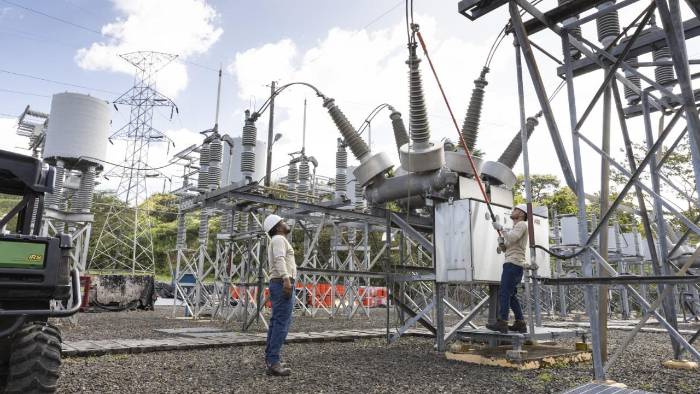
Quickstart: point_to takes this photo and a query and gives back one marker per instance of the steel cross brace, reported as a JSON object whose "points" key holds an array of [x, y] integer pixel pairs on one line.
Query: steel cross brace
{"points": [[415, 318]]}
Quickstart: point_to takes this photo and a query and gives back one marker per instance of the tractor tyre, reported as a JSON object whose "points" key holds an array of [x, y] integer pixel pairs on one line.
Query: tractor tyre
{"points": [[35, 358]]}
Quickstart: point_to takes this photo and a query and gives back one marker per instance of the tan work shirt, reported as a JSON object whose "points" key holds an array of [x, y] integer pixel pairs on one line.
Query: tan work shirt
{"points": [[281, 257], [516, 242]]}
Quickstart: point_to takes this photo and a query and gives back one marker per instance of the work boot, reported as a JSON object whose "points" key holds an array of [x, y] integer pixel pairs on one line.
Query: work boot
{"points": [[500, 326], [519, 326], [277, 369]]}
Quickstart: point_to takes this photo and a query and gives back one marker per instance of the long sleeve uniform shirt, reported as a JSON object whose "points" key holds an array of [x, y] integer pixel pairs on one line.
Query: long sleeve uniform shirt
{"points": [[281, 257], [516, 242]]}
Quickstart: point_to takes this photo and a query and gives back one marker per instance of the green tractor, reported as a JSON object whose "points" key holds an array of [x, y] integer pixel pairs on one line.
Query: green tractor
{"points": [[36, 282]]}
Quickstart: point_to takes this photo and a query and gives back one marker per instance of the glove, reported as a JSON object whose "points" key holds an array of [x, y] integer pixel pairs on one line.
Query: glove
{"points": [[497, 226]]}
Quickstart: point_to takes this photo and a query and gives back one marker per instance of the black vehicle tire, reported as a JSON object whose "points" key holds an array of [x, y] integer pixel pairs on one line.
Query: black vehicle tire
{"points": [[4, 361], [35, 357]]}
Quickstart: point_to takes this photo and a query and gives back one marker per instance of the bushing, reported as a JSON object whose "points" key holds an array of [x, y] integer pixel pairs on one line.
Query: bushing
{"points": [[458, 162]]}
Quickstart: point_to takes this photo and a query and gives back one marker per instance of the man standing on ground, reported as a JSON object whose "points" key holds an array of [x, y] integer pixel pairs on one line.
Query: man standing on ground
{"points": [[514, 242], [283, 270]]}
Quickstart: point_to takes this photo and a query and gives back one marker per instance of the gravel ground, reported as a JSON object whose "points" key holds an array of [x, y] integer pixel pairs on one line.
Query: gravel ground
{"points": [[367, 365], [410, 365]]}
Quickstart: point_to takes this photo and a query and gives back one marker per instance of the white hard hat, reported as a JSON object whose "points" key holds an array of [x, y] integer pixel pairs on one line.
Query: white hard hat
{"points": [[270, 222], [522, 207]]}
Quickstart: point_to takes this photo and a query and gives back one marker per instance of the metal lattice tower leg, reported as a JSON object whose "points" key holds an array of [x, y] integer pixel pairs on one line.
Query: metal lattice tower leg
{"points": [[125, 242]]}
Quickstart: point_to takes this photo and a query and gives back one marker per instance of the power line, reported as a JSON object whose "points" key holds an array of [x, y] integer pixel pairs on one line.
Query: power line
{"points": [[56, 82], [51, 17], [23, 93]]}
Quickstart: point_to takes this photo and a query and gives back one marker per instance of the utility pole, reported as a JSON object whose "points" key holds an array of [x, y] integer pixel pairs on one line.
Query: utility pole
{"points": [[270, 136]]}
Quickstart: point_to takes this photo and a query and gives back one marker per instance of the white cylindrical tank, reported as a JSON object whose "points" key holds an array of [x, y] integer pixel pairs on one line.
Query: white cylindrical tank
{"points": [[78, 128], [231, 162]]}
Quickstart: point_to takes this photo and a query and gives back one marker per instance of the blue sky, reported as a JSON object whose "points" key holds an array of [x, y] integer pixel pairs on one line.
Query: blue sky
{"points": [[354, 51]]}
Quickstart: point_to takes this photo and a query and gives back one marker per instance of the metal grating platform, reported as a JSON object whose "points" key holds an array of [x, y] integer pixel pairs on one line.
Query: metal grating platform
{"points": [[541, 334], [599, 388]]}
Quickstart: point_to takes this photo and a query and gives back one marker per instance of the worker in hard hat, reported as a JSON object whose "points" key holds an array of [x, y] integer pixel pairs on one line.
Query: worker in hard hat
{"points": [[514, 243], [283, 270]]}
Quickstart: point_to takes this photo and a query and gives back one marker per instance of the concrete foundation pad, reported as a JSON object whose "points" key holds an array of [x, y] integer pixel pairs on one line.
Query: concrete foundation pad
{"points": [[681, 364], [532, 357]]}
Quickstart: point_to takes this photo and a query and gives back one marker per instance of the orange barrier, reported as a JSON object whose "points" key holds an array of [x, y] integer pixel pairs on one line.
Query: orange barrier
{"points": [[323, 294]]}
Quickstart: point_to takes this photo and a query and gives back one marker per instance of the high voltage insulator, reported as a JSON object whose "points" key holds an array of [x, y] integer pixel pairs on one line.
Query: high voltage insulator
{"points": [[359, 197], [249, 139], [510, 156], [52, 199], [303, 187], [631, 96], [203, 226], [663, 74], [575, 31], [214, 175], [341, 169], [608, 24], [203, 178], [86, 191], [235, 221], [292, 175], [181, 231], [357, 145], [418, 115], [226, 222], [400, 133], [470, 127]]}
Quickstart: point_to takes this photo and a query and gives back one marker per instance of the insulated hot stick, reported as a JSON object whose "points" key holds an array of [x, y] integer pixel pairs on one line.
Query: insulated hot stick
{"points": [[461, 139]]}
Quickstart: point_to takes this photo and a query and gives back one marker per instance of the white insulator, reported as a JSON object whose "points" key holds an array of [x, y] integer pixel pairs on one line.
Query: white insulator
{"points": [[303, 187], [203, 179], [214, 171], [249, 138], [359, 198], [203, 226], [341, 169], [227, 222], [631, 96], [181, 231], [235, 221], [292, 176], [86, 191]]}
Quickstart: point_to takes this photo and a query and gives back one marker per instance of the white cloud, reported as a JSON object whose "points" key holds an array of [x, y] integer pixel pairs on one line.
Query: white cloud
{"points": [[183, 27]]}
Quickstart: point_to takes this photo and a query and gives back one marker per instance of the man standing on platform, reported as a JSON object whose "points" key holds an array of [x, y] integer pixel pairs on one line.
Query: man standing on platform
{"points": [[283, 270], [514, 243]]}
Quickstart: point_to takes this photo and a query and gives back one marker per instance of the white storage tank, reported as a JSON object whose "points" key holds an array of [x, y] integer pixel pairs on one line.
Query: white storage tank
{"points": [[78, 128], [231, 162]]}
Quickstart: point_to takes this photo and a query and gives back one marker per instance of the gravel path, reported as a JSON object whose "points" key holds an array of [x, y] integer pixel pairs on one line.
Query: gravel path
{"points": [[410, 365], [368, 365]]}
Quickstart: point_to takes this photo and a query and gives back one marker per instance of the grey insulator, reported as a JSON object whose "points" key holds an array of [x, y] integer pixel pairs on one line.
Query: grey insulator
{"points": [[631, 96], [608, 24], [357, 145], [244, 223], [292, 176], [203, 178], [203, 226], [663, 74], [303, 187], [214, 175], [359, 204], [575, 31], [227, 222], [418, 115], [341, 168], [470, 127], [86, 191], [235, 221], [510, 156], [400, 133], [53, 199], [181, 231], [249, 139]]}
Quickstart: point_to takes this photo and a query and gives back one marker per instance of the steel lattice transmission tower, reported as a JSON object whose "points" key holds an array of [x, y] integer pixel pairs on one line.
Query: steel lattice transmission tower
{"points": [[125, 242]]}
